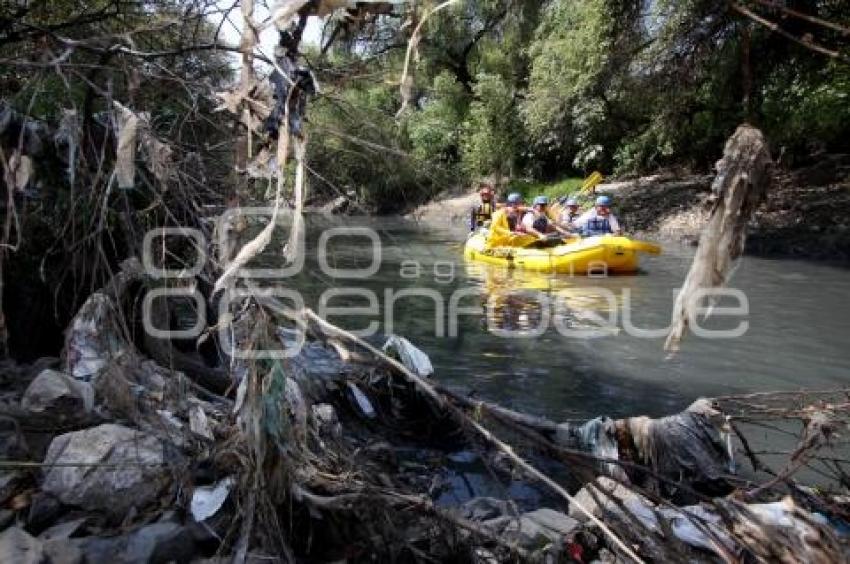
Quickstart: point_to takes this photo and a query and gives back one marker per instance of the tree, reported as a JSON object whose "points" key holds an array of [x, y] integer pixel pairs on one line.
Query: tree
{"points": [[493, 132]]}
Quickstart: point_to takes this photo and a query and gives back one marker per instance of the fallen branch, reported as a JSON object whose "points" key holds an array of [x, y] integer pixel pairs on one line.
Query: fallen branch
{"points": [[845, 31], [808, 44]]}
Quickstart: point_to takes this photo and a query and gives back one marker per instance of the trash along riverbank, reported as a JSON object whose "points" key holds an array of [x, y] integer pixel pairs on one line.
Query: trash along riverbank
{"points": [[341, 453]]}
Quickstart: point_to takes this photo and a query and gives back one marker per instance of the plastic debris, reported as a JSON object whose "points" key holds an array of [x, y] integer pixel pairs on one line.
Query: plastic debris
{"points": [[199, 424], [207, 500], [362, 401], [409, 355], [127, 124], [91, 341], [19, 172]]}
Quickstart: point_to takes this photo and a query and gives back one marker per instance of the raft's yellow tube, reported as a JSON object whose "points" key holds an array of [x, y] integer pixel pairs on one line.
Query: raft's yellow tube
{"points": [[591, 255]]}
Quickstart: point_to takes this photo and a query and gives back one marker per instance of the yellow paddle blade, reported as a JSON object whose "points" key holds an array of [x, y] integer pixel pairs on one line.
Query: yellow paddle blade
{"points": [[591, 181]]}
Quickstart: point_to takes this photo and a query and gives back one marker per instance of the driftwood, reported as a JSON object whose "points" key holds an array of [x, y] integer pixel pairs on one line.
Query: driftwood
{"points": [[743, 176]]}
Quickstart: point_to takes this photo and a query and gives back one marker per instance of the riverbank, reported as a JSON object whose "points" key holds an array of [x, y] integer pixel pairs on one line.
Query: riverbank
{"points": [[806, 213], [349, 452]]}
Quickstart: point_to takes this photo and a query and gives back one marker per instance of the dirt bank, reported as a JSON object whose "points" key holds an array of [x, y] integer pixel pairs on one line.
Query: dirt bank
{"points": [[452, 208], [799, 218]]}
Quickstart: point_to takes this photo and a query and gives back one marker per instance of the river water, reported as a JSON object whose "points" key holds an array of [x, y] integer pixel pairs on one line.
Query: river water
{"points": [[566, 348]]}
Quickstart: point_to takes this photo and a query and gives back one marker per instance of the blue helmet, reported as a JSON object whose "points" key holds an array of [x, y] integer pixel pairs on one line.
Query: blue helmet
{"points": [[603, 201], [571, 201], [514, 198], [541, 201]]}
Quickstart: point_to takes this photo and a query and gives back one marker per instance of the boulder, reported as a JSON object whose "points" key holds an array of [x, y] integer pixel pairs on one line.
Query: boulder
{"points": [[18, 546], [59, 394], [132, 472], [101, 550], [63, 551], [63, 531], [159, 543], [44, 511], [156, 543]]}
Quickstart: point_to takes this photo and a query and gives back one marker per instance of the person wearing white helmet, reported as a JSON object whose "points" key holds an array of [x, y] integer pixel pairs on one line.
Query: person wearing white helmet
{"points": [[570, 213], [599, 220]]}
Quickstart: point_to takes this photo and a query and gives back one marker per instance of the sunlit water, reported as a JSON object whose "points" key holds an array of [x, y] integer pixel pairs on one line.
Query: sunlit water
{"points": [[797, 319]]}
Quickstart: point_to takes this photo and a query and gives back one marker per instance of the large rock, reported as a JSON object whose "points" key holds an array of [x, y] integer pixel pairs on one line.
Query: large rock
{"points": [[132, 472], [157, 543], [63, 551], [59, 394], [44, 511], [18, 546], [160, 543]]}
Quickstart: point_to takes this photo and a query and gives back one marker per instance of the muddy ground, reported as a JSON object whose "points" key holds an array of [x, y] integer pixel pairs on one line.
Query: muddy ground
{"points": [[804, 215]]}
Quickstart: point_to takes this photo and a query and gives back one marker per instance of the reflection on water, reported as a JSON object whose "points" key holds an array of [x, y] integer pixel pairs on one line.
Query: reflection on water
{"points": [[521, 303], [584, 362]]}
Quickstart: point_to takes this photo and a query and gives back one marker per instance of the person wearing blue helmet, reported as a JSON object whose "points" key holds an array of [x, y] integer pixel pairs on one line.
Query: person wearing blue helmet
{"points": [[537, 222], [599, 220], [513, 203]]}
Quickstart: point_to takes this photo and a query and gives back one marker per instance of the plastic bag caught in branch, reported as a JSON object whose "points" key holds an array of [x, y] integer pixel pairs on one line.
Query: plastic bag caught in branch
{"points": [[68, 137], [406, 81], [127, 124], [283, 13], [294, 246], [134, 131], [158, 158], [19, 171], [414, 359], [743, 175]]}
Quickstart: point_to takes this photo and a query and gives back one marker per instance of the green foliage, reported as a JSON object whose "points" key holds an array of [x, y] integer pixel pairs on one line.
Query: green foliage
{"points": [[359, 146], [435, 132], [548, 90], [807, 112], [568, 54], [493, 132], [554, 190]]}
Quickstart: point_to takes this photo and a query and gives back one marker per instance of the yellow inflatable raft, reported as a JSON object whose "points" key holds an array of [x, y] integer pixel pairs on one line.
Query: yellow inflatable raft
{"points": [[607, 254]]}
